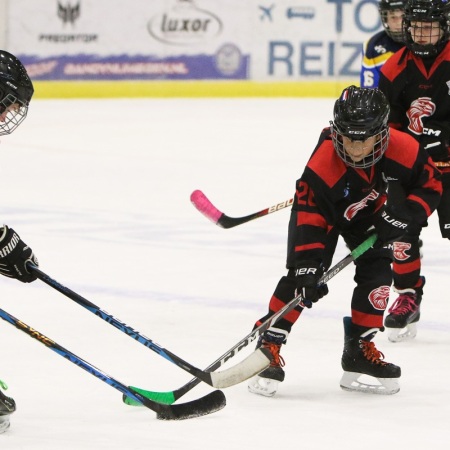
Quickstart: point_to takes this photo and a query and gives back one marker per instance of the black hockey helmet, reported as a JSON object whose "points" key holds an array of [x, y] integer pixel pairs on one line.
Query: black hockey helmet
{"points": [[360, 113], [426, 11], [386, 6], [16, 90]]}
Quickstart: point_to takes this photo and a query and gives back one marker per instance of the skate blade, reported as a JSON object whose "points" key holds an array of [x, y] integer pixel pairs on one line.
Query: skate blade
{"points": [[353, 381], [403, 334], [263, 386]]}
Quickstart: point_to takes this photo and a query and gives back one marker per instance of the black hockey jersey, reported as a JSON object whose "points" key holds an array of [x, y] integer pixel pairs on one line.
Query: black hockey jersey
{"points": [[331, 194]]}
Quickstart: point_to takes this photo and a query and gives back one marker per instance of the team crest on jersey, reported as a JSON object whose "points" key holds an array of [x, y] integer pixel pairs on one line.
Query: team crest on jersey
{"points": [[400, 249], [380, 49], [352, 210], [379, 297], [422, 107]]}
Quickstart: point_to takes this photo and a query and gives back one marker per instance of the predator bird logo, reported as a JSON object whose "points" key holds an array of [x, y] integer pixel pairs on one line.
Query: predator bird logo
{"points": [[379, 297], [400, 249], [351, 211], [422, 107]]}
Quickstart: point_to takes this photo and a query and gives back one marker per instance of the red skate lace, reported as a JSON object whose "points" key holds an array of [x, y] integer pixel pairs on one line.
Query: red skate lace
{"points": [[403, 305], [372, 353], [277, 360]]}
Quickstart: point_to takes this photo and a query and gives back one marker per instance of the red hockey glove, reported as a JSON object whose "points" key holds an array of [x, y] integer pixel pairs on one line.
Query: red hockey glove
{"points": [[308, 274], [14, 256]]}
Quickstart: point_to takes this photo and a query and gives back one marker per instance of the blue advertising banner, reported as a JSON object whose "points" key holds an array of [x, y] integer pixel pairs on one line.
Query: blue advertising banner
{"points": [[259, 40]]}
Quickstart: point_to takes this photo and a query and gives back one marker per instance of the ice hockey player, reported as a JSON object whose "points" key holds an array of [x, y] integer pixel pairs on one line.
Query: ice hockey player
{"points": [[16, 90], [342, 192], [382, 45], [416, 82]]}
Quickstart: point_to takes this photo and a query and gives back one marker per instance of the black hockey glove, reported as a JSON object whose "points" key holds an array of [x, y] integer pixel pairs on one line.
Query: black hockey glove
{"points": [[308, 274], [390, 226], [14, 256], [435, 139]]}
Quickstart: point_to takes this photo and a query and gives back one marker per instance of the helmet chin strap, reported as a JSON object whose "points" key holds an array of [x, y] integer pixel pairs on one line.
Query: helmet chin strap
{"points": [[425, 51]]}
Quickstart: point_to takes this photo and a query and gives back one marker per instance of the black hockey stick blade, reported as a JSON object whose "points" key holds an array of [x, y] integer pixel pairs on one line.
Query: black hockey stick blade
{"points": [[204, 205], [206, 405], [210, 403]]}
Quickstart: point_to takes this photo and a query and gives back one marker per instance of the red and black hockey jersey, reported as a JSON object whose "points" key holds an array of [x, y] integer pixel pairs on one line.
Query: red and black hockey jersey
{"points": [[331, 194], [418, 91]]}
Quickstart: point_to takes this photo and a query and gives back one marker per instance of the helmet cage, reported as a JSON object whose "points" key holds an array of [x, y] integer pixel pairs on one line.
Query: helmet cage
{"points": [[359, 114], [423, 11], [12, 113], [379, 147], [384, 8]]}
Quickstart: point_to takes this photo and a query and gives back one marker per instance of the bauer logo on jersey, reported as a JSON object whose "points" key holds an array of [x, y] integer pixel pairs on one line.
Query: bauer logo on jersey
{"points": [[422, 107], [379, 297], [400, 249], [352, 210]]}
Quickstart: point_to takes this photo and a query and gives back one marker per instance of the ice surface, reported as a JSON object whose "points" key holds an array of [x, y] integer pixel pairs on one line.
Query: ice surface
{"points": [[100, 190]]}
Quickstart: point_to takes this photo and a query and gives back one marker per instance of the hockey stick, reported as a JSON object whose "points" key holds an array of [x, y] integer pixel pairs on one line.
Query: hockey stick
{"points": [[203, 204], [250, 366], [212, 402], [172, 396]]}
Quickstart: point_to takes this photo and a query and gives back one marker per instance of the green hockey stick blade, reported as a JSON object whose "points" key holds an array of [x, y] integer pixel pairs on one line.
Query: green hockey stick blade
{"points": [[161, 397]]}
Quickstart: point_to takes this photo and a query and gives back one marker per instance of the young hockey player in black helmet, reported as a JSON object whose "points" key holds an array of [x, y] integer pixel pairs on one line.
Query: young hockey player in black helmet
{"points": [[16, 90], [416, 82], [381, 46], [342, 192]]}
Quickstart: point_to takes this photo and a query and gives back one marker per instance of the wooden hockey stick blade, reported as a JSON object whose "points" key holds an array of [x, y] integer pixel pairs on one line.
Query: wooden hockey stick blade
{"points": [[253, 364], [250, 366], [204, 205]]}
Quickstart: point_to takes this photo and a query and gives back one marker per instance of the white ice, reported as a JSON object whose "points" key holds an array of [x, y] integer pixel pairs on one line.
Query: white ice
{"points": [[100, 190]]}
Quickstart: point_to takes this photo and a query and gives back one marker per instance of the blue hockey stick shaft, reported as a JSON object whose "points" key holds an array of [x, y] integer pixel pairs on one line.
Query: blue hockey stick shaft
{"points": [[168, 412]]}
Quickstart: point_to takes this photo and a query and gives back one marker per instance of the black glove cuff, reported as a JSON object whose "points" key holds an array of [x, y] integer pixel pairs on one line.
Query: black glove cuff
{"points": [[308, 268]]}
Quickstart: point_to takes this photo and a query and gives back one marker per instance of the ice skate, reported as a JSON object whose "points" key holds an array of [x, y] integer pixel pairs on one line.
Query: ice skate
{"points": [[266, 383], [364, 368], [404, 315], [7, 407]]}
